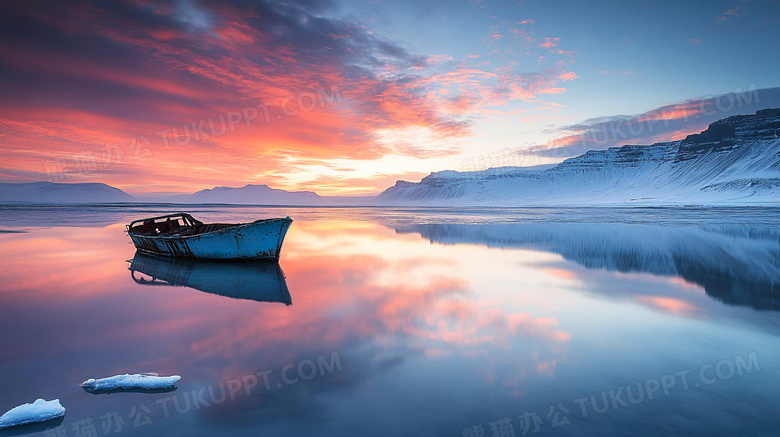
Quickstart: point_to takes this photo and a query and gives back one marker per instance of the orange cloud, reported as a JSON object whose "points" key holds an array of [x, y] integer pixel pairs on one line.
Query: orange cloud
{"points": [[163, 76], [143, 94], [682, 111]]}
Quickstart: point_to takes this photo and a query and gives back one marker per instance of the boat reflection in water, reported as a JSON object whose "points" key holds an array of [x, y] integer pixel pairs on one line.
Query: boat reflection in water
{"points": [[262, 281]]}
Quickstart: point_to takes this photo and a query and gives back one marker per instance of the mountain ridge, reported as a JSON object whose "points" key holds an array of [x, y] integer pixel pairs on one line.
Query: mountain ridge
{"points": [[735, 160], [95, 192], [57, 193], [250, 194]]}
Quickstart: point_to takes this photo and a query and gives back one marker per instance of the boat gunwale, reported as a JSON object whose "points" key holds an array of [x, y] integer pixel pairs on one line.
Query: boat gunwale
{"points": [[176, 214], [232, 227]]}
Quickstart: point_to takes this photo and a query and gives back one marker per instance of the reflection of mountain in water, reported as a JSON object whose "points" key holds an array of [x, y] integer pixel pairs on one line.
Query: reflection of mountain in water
{"points": [[255, 280], [735, 266]]}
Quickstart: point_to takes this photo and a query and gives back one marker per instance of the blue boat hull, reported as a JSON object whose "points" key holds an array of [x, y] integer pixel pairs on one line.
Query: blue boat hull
{"points": [[261, 239]]}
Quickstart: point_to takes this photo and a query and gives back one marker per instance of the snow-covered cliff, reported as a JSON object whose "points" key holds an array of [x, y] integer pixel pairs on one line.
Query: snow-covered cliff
{"points": [[735, 161]]}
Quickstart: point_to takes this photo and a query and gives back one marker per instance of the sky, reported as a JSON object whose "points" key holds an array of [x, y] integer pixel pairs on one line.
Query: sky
{"points": [[346, 97]]}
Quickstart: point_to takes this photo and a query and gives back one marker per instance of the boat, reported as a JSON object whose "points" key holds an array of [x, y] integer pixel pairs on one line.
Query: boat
{"points": [[182, 236], [261, 281]]}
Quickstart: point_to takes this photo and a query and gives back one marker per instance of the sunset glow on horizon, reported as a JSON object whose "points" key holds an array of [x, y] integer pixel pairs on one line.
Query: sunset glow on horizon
{"points": [[346, 97]]}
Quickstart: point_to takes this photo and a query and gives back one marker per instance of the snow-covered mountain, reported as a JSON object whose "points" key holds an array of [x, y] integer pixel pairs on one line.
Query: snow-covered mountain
{"points": [[735, 161], [49, 192], [248, 194]]}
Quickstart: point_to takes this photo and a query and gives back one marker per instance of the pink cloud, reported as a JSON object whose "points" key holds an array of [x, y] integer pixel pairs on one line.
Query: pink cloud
{"points": [[436, 59], [730, 14], [569, 75], [550, 42]]}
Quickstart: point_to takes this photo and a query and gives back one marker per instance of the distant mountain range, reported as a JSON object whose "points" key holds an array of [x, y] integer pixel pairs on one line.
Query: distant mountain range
{"points": [[48, 192], [249, 194], [735, 161]]}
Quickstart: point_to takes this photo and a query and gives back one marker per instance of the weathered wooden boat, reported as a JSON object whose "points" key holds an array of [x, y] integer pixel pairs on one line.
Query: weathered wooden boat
{"points": [[261, 281], [180, 235]]}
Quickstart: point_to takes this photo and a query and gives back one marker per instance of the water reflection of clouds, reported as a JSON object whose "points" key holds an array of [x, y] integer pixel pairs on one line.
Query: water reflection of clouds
{"points": [[501, 308], [44, 260], [671, 305], [405, 300], [354, 284], [364, 294]]}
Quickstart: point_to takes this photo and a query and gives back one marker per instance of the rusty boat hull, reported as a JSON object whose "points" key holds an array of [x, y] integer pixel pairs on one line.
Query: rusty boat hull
{"points": [[182, 236]]}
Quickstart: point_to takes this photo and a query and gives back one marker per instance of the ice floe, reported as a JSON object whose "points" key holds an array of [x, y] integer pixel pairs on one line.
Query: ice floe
{"points": [[38, 411], [139, 382]]}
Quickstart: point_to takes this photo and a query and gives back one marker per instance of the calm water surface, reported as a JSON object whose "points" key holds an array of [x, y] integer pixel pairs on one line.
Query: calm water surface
{"points": [[394, 322]]}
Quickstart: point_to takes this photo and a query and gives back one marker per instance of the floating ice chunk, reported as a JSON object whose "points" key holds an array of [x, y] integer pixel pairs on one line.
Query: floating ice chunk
{"points": [[139, 382], [38, 411]]}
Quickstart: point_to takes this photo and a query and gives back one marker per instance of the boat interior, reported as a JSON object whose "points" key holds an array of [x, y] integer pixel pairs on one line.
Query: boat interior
{"points": [[173, 225]]}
